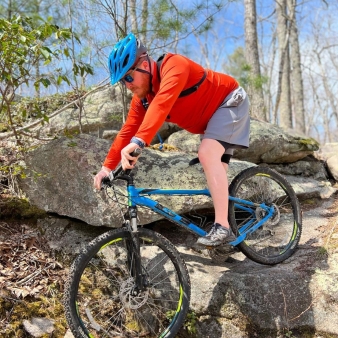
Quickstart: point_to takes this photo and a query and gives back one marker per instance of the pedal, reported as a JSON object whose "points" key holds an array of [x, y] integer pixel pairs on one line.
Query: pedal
{"points": [[219, 254]]}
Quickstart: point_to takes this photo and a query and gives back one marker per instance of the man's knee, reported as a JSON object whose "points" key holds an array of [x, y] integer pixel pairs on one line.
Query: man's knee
{"points": [[203, 155]]}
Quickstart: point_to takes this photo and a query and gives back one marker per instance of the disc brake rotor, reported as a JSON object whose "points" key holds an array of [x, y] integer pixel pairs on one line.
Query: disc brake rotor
{"points": [[130, 296], [273, 220]]}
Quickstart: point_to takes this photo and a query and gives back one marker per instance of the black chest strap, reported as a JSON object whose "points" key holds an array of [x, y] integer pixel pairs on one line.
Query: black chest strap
{"points": [[187, 91]]}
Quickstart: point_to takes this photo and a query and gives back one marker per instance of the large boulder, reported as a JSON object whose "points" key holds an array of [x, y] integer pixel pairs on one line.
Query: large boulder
{"points": [[268, 144], [60, 180]]}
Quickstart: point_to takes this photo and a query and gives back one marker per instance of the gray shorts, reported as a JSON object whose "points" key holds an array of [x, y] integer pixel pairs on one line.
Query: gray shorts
{"points": [[230, 123]]}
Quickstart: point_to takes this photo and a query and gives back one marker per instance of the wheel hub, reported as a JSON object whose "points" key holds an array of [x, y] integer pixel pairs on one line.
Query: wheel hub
{"points": [[131, 296], [273, 220]]}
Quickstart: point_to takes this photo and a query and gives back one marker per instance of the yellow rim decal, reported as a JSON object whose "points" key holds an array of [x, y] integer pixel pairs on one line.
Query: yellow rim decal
{"points": [[111, 242]]}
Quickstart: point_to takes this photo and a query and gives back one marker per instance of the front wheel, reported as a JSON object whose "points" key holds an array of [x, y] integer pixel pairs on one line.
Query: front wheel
{"points": [[103, 300], [278, 237]]}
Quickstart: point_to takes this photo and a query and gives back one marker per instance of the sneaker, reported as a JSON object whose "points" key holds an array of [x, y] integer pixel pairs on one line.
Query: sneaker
{"points": [[217, 235]]}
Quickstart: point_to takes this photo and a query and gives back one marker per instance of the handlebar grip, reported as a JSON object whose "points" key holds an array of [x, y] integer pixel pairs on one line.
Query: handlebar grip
{"points": [[118, 170], [105, 182], [136, 152]]}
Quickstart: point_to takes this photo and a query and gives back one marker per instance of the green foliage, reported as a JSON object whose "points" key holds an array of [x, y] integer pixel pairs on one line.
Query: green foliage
{"points": [[190, 322], [238, 68], [289, 334], [167, 21], [24, 43], [166, 18], [38, 108]]}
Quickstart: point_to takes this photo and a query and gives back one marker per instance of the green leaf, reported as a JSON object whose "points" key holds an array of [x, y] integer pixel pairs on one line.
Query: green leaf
{"points": [[45, 82], [45, 53], [59, 80]]}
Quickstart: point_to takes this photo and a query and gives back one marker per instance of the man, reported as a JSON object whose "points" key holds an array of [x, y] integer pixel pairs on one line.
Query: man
{"points": [[198, 100]]}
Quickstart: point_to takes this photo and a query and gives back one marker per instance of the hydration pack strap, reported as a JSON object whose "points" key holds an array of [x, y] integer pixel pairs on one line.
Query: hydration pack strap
{"points": [[187, 91]]}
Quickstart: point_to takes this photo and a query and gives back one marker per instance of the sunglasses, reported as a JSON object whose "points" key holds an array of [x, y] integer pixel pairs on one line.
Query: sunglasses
{"points": [[129, 78]]}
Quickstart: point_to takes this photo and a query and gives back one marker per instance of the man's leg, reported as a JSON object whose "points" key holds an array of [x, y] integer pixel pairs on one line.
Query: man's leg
{"points": [[210, 153]]}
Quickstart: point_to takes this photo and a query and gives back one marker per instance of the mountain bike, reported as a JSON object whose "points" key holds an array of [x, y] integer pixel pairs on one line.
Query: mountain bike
{"points": [[133, 282]]}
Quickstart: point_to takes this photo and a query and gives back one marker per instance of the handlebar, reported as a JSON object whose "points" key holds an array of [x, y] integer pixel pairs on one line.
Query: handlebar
{"points": [[114, 174]]}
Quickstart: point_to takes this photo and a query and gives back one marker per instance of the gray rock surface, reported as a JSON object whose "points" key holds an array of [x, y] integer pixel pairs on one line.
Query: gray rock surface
{"points": [[328, 153], [268, 144], [60, 180], [240, 298], [38, 327]]}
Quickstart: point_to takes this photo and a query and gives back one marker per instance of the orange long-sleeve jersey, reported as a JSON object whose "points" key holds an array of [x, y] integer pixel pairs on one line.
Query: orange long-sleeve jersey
{"points": [[191, 112]]}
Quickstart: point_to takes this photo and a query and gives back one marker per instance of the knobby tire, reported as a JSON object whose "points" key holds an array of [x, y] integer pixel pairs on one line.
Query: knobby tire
{"points": [[277, 239], [99, 295]]}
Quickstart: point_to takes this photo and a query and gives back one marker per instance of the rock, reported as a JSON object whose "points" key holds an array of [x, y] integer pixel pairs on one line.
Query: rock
{"points": [[110, 134], [60, 180], [268, 144], [103, 110], [67, 235], [68, 334], [332, 164], [102, 116], [240, 298], [185, 141], [38, 327], [328, 153], [307, 167]]}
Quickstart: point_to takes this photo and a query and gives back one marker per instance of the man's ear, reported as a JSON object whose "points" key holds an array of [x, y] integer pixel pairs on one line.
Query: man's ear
{"points": [[146, 65]]}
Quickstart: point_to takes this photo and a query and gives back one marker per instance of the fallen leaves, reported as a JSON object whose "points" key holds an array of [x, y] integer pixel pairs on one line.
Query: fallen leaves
{"points": [[27, 267]]}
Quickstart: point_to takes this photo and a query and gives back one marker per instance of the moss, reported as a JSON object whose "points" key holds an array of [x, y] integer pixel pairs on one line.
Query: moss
{"points": [[3, 127], [322, 253], [309, 143], [29, 308], [18, 208], [310, 201]]}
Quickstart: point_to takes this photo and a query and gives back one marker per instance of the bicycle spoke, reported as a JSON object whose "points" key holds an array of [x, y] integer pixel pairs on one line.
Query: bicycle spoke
{"points": [[111, 305], [276, 238]]}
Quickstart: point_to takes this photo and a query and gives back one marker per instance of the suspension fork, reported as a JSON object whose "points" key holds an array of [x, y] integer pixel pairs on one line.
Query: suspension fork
{"points": [[134, 256]]}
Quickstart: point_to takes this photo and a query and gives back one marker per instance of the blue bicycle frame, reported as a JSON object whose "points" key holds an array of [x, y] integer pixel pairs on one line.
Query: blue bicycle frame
{"points": [[136, 197]]}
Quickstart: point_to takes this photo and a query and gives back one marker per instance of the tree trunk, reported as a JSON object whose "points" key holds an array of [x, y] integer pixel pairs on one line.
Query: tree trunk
{"points": [[133, 17], [283, 100], [144, 20], [255, 90], [296, 74]]}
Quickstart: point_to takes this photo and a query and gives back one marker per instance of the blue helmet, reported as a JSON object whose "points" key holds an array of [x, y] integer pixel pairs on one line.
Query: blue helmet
{"points": [[123, 56]]}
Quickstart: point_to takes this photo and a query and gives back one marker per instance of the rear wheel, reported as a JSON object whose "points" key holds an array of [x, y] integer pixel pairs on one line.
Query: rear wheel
{"points": [[101, 297], [278, 237]]}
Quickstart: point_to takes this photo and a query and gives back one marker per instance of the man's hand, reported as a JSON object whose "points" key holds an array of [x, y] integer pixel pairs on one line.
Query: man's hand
{"points": [[127, 161], [99, 176]]}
